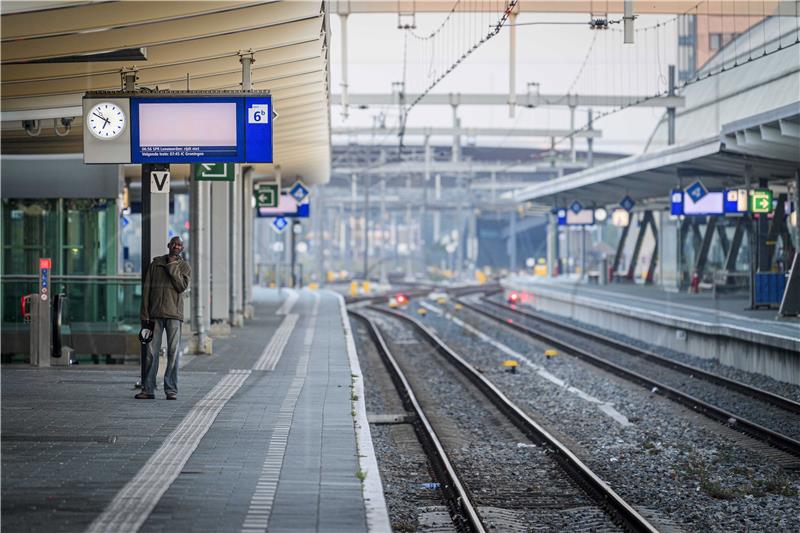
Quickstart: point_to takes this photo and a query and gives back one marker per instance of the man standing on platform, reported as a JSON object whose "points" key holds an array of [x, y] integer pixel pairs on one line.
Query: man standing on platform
{"points": [[162, 310]]}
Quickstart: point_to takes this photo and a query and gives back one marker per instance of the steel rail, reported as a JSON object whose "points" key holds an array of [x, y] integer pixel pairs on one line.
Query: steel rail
{"points": [[744, 425], [463, 511], [761, 394], [595, 487]]}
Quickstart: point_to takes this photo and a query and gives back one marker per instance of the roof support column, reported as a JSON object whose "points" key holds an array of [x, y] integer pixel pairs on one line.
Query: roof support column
{"points": [[790, 303], [220, 248], [200, 245], [234, 258], [512, 241], [246, 58]]}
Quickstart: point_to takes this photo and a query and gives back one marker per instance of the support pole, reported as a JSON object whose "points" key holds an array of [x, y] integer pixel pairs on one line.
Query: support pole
{"points": [[155, 226], [383, 278], [637, 248], [344, 84], [590, 141], [572, 153], [367, 183], [627, 22], [512, 64], [247, 60], [247, 243], [437, 216], [705, 247], [220, 247], [234, 202], [671, 110], [293, 253], [198, 211], [423, 245], [456, 155], [512, 242]]}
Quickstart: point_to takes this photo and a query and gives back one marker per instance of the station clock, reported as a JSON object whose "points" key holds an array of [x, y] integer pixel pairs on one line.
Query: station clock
{"points": [[106, 121]]}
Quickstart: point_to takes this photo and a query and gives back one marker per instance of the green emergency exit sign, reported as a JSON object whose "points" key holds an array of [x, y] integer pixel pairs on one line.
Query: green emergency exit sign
{"points": [[761, 201], [214, 172]]}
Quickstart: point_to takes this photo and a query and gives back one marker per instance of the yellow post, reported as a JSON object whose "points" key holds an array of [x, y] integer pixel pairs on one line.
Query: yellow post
{"points": [[365, 286], [353, 288]]}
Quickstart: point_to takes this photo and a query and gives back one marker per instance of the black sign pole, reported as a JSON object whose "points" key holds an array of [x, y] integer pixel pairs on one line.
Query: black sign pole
{"points": [[146, 212]]}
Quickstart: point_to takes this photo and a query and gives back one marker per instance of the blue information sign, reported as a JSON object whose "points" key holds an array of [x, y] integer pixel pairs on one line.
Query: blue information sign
{"points": [[676, 202], [627, 203], [562, 216], [279, 224], [576, 207], [696, 191], [299, 192], [201, 129]]}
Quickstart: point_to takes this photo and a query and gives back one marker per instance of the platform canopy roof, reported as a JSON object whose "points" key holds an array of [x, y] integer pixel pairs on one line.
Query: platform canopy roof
{"points": [[742, 121], [53, 52], [720, 162]]}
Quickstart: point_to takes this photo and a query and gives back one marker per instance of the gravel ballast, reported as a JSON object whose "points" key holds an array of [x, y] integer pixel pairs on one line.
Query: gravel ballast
{"points": [[667, 459]]}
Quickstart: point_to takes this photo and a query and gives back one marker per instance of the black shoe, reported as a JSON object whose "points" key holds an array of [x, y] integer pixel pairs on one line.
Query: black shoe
{"points": [[172, 396], [145, 396]]}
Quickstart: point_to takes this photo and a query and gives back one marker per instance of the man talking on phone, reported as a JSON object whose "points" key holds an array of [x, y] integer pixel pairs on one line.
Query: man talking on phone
{"points": [[166, 279]]}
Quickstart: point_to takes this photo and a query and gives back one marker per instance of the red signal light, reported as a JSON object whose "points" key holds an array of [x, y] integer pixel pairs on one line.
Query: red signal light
{"points": [[401, 298]]}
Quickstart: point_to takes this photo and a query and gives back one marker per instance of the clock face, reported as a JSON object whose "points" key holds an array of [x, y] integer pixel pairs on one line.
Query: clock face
{"points": [[106, 120]]}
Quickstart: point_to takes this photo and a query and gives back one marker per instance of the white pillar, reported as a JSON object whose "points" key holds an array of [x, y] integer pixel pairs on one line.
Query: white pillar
{"points": [[220, 248], [247, 243]]}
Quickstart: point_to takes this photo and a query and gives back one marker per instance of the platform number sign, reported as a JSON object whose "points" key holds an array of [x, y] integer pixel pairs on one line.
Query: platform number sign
{"points": [[761, 201], [299, 192], [627, 203], [696, 191], [576, 207], [45, 265], [279, 224]]}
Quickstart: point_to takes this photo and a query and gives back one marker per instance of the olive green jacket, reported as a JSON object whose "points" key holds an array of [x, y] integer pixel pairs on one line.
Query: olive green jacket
{"points": [[164, 284]]}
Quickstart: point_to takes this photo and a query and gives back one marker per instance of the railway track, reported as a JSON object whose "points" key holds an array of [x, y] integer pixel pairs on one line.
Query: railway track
{"points": [[676, 381], [473, 501]]}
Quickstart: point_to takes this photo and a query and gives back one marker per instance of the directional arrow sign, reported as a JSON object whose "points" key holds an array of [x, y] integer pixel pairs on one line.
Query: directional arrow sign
{"points": [[267, 195], [214, 172], [761, 201]]}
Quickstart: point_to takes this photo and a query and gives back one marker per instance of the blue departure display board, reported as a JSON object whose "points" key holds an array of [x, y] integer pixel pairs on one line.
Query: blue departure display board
{"points": [[201, 129]]}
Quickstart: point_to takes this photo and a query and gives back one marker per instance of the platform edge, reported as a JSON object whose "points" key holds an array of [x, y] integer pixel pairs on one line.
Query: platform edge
{"points": [[372, 486]]}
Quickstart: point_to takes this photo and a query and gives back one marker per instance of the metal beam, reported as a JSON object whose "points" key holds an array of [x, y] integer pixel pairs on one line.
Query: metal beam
{"points": [[448, 167], [469, 132], [668, 7], [527, 100]]}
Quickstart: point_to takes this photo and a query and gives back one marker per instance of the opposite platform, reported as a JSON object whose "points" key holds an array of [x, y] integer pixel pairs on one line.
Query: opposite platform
{"points": [[264, 435], [696, 324]]}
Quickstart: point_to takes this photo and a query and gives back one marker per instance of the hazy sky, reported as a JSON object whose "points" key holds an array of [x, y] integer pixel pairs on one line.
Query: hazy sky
{"points": [[548, 54]]}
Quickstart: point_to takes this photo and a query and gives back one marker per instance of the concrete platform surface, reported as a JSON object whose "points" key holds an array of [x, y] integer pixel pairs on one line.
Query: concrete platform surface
{"points": [[720, 316], [266, 434]]}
